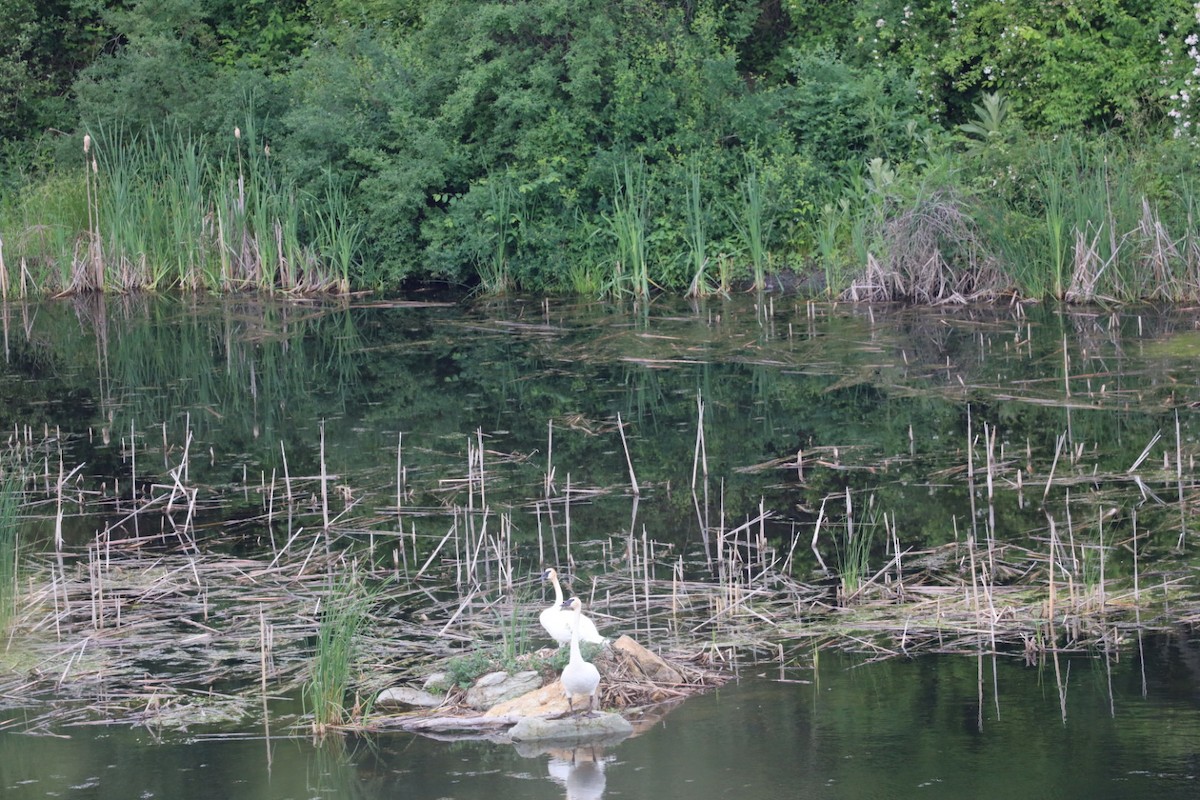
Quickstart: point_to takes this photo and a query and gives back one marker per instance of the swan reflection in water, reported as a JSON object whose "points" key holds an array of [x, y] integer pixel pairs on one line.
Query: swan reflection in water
{"points": [[580, 770]]}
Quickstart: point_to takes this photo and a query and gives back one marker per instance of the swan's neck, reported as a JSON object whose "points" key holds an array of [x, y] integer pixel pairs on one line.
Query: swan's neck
{"points": [[575, 654], [558, 598]]}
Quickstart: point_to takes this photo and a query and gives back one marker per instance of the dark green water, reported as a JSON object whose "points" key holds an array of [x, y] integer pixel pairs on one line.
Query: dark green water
{"points": [[884, 399], [878, 402], [883, 730]]}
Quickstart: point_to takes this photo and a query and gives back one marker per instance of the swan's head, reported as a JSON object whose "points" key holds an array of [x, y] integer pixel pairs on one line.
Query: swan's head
{"points": [[572, 605], [549, 574]]}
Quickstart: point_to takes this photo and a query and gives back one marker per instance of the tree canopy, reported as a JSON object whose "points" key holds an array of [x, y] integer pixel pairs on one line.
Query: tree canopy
{"points": [[492, 141]]}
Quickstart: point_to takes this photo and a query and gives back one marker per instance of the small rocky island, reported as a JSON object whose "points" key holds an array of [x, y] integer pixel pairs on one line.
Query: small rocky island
{"points": [[531, 706]]}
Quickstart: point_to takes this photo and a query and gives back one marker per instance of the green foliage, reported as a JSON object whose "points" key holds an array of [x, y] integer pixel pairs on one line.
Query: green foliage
{"points": [[462, 671], [990, 116], [44, 46], [476, 143], [1065, 65]]}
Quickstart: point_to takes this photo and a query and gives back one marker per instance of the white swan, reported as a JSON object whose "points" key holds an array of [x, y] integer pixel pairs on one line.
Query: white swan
{"points": [[579, 676], [559, 622]]}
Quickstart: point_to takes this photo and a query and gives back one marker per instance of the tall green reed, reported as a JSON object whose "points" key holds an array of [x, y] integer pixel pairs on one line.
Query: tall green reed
{"points": [[829, 247], [853, 551], [696, 230], [1054, 180], [628, 226], [11, 482], [163, 209], [754, 223], [343, 614], [338, 235], [494, 272]]}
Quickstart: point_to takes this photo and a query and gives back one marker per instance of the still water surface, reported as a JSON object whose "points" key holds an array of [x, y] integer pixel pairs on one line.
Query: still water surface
{"points": [[882, 403], [849, 729]]}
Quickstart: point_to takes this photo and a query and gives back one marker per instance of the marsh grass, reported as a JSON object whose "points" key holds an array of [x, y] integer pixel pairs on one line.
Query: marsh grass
{"points": [[11, 484], [853, 550], [495, 274], [696, 232], [344, 614], [628, 228], [829, 234], [166, 210], [754, 221]]}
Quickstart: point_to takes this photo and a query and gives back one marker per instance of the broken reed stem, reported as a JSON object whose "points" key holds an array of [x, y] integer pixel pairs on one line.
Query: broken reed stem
{"points": [[1179, 483], [567, 513], [287, 478], [1145, 452], [628, 461], [58, 513], [549, 481], [324, 483], [1058, 446], [700, 457], [400, 473], [133, 484], [482, 486], [817, 532], [1051, 598], [452, 531], [646, 558]]}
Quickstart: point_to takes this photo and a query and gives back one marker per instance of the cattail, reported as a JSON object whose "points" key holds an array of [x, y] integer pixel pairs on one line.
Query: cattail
{"points": [[237, 133], [267, 150], [87, 142], [94, 170]]}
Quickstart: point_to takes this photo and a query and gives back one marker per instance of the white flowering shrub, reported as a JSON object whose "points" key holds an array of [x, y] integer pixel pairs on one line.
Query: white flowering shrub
{"points": [[1181, 75]]}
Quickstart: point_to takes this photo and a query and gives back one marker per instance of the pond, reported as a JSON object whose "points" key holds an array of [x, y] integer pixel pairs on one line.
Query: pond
{"points": [[897, 728], [963, 537]]}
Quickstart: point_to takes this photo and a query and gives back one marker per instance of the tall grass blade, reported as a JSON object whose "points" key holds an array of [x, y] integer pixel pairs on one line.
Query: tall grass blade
{"points": [[343, 614], [11, 482]]}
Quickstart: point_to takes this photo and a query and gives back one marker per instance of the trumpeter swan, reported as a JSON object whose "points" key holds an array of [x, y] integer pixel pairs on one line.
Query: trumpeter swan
{"points": [[559, 622], [579, 676]]}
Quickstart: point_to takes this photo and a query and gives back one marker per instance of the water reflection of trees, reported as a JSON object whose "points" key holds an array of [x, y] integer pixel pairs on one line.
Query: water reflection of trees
{"points": [[895, 392]]}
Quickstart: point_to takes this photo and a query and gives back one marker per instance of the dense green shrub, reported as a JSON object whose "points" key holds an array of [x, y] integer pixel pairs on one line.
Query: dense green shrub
{"points": [[614, 146]]}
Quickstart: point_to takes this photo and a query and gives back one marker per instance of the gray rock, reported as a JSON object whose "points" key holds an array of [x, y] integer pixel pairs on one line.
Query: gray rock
{"points": [[437, 682], [407, 696], [496, 687], [606, 728]]}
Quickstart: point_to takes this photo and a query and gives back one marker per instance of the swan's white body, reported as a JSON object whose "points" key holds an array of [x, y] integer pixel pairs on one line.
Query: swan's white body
{"points": [[559, 622], [579, 676]]}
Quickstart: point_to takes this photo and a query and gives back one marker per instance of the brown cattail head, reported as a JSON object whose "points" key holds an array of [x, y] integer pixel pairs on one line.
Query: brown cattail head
{"points": [[87, 142]]}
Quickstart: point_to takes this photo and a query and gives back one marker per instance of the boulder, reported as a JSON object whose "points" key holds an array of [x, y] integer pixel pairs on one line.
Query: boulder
{"points": [[600, 727], [544, 701], [438, 682], [408, 696], [496, 687]]}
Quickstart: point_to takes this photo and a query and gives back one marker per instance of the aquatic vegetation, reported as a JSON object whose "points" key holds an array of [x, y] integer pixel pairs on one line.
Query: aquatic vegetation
{"points": [[344, 613], [923, 507], [166, 209]]}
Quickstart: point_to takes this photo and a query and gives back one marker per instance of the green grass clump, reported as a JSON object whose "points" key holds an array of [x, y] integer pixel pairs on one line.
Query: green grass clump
{"points": [[343, 614]]}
